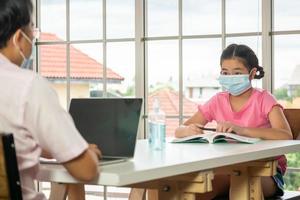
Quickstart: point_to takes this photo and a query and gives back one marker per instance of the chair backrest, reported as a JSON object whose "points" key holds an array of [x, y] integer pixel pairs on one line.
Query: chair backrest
{"points": [[293, 117], [10, 185]]}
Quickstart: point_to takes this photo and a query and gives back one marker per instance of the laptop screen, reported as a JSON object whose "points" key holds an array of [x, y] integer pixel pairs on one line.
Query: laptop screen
{"points": [[111, 123]]}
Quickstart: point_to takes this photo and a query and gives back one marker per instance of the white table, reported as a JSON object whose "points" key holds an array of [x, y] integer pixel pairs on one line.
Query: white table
{"points": [[176, 159]]}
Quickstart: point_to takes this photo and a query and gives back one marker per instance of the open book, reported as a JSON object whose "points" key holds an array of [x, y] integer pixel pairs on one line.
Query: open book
{"points": [[216, 137]]}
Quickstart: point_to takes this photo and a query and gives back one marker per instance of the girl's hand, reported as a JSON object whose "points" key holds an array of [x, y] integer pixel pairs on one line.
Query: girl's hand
{"points": [[228, 127], [192, 129]]}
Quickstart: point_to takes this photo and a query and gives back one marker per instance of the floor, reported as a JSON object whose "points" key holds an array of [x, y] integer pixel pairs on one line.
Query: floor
{"points": [[96, 192]]}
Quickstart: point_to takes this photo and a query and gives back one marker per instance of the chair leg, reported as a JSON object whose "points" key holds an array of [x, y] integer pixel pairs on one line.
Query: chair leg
{"points": [[58, 191]]}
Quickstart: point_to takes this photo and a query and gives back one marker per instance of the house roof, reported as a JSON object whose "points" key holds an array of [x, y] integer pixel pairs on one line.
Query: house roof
{"points": [[294, 80], [53, 62], [169, 103]]}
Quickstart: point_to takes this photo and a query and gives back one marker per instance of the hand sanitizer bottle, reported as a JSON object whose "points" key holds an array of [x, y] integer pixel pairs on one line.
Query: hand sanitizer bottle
{"points": [[157, 127]]}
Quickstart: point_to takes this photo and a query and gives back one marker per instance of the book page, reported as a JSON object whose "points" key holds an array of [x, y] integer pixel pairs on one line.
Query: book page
{"points": [[228, 136], [199, 138]]}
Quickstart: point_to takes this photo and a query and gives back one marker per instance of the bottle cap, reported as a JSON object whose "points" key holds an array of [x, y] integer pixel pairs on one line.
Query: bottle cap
{"points": [[156, 104]]}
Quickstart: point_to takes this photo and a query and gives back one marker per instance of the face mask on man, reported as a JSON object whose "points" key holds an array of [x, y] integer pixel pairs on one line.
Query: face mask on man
{"points": [[235, 84], [27, 62]]}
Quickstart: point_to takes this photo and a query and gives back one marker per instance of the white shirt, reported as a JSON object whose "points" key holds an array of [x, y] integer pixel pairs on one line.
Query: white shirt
{"points": [[29, 108]]}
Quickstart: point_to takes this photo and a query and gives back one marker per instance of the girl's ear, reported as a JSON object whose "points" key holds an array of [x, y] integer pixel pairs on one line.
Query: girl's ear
{"points": [[253, 73]]}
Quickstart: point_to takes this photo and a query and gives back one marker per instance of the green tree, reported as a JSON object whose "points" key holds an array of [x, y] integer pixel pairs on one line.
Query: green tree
{"points": [[130, 91], [282, 94]]}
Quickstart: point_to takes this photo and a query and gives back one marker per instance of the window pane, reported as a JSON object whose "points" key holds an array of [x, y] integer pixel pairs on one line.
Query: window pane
{"points": [[196, 14], [162, 17], [243, 16], [287, 69], [163, 79], [163, 75], [286, 15], [86, 72], [53, 18], [200, 71], [120, 18], [52, 65], [254, 42], [86, 20], [121, 71]]}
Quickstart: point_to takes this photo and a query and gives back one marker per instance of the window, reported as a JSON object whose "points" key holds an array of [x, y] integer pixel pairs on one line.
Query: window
{"points": [[162, 18], [196, 14], [285, 35], [243, 16], [286, 15], [286, 42]]}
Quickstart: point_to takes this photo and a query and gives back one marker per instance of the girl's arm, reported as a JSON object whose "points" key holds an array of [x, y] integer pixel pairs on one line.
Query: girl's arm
{"points": [[189, 127], [280, 128]]}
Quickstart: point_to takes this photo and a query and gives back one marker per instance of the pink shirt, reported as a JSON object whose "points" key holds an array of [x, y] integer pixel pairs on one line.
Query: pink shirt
{"points": [[253, 114], [29, 108]]}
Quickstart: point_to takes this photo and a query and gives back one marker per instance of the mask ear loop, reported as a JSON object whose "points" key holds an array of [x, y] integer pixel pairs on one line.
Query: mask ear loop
{"points": [[15, 43], [250, 74]]}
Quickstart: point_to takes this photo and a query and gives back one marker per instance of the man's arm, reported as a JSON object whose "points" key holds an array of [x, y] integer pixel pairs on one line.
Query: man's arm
{"points": [[53, 129], [84, 167]]}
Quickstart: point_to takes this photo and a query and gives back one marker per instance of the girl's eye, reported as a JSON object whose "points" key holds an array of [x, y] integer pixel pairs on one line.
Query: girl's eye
{"points": [[237, 73], [224, 73]]}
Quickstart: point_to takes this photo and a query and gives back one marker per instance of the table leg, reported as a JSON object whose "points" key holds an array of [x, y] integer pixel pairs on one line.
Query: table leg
{"points": [[256, 192], [152, 194], [137, 194], [246, 178], [58, 191]]}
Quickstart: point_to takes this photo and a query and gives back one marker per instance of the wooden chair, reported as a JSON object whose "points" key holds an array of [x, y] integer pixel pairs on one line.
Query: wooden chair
{"points": [[293, 118], [10, 186]]}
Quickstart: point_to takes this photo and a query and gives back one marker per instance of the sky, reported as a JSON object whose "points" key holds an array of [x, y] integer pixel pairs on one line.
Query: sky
{"points": [[200, 57]]}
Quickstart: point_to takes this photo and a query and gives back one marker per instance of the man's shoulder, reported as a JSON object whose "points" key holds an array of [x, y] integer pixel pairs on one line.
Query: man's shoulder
{"points": [[16, 74], [21, 82]]}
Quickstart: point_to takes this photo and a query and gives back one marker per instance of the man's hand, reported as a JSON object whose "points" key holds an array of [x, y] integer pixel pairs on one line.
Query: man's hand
{"points": [[46, 154], [94, 148]]}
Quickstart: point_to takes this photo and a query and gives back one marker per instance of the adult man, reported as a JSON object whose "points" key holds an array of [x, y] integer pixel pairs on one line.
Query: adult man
{"points": [[29, 107]]}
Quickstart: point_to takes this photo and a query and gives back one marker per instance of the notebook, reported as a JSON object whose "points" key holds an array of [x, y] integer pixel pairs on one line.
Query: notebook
{"points": [[110, 123]]}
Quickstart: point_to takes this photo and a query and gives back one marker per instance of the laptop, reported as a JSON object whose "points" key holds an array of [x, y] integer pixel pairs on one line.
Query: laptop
{"points": [[110, 123]]}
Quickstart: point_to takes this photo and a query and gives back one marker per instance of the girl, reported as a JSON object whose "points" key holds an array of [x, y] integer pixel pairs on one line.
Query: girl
{"points": [[244, 110]]}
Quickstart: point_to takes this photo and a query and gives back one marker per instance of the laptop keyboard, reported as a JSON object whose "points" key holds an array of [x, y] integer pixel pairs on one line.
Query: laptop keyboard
{"points": [[109, 159]]}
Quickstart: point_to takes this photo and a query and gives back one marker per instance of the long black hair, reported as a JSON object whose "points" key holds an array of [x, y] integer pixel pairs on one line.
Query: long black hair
{"points": [[14, 14], [245, 55]]}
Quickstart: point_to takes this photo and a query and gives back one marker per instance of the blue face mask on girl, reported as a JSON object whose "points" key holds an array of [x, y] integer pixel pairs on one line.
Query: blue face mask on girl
{"points": [[235, 84]]}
